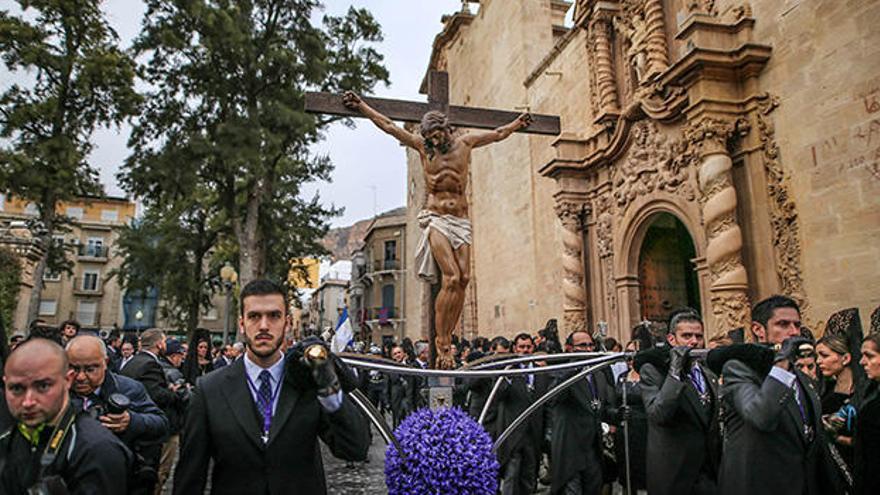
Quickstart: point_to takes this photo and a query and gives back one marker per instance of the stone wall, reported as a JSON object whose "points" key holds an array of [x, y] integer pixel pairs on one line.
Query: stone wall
{"points": [[788, 141], [825, 72]]}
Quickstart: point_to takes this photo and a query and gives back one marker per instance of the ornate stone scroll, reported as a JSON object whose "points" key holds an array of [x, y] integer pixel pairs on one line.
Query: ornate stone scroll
{"points": [[727, 274], [785, 226], [571, 214], [652, 164], [605, 247]]}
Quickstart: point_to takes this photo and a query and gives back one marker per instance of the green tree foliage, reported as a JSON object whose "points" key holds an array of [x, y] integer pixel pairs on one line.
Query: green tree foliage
{"points": [[170, 250], [77, 80], [226, 115], [10, 282]]}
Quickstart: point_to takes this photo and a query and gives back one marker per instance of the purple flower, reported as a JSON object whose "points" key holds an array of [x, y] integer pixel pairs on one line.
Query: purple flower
{"points": [[445, 452]]}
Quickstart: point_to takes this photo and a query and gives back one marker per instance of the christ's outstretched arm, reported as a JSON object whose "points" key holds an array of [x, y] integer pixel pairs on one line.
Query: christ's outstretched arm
{"points": [[482, 138], [354, 102]]}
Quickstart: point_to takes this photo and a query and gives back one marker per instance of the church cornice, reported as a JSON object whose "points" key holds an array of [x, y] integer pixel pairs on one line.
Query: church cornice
{"points": [[715, 49], [453, 24]]}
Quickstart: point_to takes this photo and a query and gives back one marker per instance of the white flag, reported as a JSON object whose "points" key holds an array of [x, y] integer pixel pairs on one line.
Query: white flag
{"points": [[344, 334]]}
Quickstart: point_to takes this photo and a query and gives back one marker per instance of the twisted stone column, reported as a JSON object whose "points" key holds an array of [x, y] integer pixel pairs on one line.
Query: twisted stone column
{"points": [[657, 56], [571, 214], [729, 282], [605, 85]]}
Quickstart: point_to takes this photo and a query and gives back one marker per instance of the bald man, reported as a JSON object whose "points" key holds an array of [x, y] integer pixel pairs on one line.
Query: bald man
{"points": [[142, 427], [84, 456]]}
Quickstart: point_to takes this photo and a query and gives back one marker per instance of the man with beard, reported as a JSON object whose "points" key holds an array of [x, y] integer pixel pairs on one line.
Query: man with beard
{"points": [[773, 438], [446, 237], [681, 398], [259, 419]]}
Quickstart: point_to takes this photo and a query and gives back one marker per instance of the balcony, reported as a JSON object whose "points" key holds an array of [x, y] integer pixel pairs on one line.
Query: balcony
{"points": [[88, 287], [91, 252], [384, 267], [383, 314]]}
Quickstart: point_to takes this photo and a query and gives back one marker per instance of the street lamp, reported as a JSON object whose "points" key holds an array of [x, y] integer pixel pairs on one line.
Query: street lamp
{"points": [[229, 277]]}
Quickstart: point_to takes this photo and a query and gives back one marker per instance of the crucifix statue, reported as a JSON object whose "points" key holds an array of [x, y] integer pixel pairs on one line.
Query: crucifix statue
{"points": [[445, 155]]}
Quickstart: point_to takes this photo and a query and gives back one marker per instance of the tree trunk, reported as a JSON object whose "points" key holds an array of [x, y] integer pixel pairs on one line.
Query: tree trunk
{"points": [[48, 218], [252, 249], [37, 289]]}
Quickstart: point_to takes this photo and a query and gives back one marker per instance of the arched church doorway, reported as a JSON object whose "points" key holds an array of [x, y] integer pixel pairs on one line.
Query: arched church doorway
{"points": [[667, 275]]}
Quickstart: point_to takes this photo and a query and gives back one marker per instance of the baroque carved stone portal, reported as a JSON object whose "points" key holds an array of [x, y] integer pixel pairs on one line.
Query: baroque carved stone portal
{"points": [[653, 164]]}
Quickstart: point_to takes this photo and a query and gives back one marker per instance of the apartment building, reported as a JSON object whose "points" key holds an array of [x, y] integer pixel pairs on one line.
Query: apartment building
{"points": [[88, 294]]}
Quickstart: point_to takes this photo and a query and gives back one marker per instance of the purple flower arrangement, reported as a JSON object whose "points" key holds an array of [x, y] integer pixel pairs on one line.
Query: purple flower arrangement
{"points": [[444, 452]]}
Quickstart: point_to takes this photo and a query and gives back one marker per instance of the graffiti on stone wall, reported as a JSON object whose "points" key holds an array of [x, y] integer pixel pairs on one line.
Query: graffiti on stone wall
{"points": [[850, 149]]}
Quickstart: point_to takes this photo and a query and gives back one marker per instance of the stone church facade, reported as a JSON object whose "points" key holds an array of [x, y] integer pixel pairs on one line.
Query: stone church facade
{"points": [[712, 153]]}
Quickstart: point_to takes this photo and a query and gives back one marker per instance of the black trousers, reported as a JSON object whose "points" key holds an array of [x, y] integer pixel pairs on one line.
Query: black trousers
{"points": [[519, 475]]}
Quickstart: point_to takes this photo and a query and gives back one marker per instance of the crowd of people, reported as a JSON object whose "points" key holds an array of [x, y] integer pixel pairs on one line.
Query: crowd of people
{"points": [[788, 414], [86, 415], [785, 415]]}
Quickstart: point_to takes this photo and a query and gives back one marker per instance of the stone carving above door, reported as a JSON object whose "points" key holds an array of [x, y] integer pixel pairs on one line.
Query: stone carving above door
{"points": [[653, 164]]}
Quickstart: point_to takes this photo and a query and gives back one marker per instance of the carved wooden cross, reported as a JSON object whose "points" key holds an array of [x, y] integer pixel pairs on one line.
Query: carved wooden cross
{"points": [[438, 99], [410, 111]]}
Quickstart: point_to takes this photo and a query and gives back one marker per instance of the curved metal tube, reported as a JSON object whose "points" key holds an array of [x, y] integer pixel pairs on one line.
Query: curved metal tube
{"points": [[515, 359], [606, 361], [376, 418], [405, 370], [489, 399]]}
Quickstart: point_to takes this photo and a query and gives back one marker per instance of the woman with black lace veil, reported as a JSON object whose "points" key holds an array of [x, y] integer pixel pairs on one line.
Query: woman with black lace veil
{"points": [[198, 357], [838, 353]]}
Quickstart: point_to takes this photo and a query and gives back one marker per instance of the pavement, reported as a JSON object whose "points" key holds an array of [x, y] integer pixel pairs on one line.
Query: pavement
{"points": [[357, 478], [365, 478]]}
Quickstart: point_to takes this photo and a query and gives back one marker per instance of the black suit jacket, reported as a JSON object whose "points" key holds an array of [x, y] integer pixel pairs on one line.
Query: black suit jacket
{"points": [[765, 448], [514, 397], [576, 442], [401, 391], [223, 424], [682, 433], [867, 441], [146, 369]]}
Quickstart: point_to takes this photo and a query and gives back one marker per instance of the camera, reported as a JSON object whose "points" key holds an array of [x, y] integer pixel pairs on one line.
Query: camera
{"points": [[117, 404]]}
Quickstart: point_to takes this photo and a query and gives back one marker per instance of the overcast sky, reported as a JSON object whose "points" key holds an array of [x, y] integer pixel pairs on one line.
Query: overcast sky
{"points": [[366, 160]]}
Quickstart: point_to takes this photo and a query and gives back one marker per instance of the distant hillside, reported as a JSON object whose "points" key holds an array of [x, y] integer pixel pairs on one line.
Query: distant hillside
{"points": [[343, 241]]}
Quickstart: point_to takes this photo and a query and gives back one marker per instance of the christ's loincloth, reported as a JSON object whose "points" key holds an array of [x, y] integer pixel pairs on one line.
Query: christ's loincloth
{"points": [[456, 229]]}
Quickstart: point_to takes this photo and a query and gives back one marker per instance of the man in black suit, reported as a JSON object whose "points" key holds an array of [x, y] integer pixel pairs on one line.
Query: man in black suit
{"points": [[771, 420], [519, 456], [680, 397], [401, 389], [146, 368], [259, 418], [575, 445], [225, 358]]}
